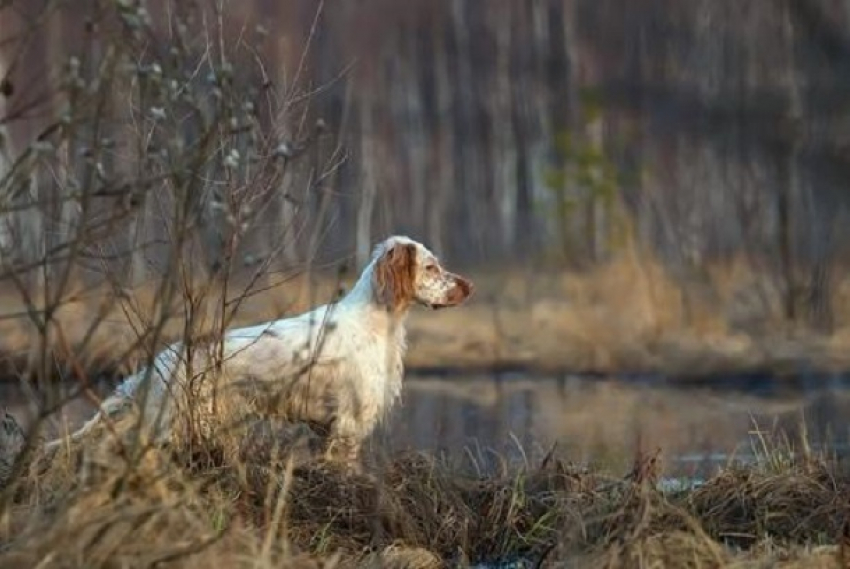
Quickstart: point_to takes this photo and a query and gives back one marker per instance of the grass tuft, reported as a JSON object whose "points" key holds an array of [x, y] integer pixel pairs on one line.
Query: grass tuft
{"points": [[93, 506]]}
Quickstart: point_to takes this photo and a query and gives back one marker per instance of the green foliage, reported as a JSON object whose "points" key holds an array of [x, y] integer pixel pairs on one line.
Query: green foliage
{"points": [[587, 181]]}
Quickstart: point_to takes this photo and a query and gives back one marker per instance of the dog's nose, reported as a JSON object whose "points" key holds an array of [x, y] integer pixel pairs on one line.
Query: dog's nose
{"points": [[461, 291], [465, 285], [470, 288]]}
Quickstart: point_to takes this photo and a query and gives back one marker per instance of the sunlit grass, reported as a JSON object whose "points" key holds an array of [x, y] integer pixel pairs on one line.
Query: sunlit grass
{"points": [[417, 510]]}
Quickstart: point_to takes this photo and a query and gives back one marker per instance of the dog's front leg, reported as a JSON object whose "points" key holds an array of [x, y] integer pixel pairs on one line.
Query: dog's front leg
{"points": [[345, 451]]}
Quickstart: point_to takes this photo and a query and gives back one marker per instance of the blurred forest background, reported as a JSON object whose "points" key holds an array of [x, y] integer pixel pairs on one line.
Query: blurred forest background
{"points": [[507, 134]]}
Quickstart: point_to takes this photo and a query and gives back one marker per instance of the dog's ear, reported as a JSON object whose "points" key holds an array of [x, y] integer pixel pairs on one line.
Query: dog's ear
{"points": [[395, 277]]}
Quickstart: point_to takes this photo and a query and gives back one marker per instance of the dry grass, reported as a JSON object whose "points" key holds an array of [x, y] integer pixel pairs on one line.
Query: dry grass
{"points": [[196, 508], [634, 314], [627, 315]]}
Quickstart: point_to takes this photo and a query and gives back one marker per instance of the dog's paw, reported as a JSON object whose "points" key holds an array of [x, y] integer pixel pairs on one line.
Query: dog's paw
{"points": [[268, 440]]}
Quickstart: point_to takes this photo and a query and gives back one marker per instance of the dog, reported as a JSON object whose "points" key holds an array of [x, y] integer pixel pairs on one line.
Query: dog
{"points": [[337, 368]]}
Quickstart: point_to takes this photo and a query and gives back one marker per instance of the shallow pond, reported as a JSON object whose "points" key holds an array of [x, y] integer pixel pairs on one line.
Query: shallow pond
{"points": [[596, 421]]}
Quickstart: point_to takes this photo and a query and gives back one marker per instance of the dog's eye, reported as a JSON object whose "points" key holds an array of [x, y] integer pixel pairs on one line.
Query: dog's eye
{"points": [[431, 268]]}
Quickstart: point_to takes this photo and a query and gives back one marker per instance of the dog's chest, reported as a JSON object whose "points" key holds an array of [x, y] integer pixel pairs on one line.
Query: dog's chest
{"points": [[379, 359]]}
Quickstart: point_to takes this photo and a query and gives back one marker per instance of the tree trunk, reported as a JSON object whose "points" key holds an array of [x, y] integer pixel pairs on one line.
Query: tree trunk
{"points": [[468, 160], [369, 190], [6, 242], [789, 179], [416, 137], [505, 159], [541, 129], [596, 202]]}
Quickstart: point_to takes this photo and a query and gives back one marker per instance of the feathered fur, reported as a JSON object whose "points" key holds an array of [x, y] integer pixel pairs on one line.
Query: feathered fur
{"points": [[338, 367]]}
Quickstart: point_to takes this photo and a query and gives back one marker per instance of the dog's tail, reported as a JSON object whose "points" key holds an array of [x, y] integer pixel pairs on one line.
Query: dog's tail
{"points": [[111, 406], [149, 381]]}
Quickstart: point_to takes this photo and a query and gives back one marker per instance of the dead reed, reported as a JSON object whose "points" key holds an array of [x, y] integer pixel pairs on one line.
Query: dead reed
{"points": [[93, 507]]}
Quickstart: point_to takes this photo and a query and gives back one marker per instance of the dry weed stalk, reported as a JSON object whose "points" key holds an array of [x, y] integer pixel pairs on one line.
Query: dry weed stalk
{"points": [[265, 510], [165, 152]]}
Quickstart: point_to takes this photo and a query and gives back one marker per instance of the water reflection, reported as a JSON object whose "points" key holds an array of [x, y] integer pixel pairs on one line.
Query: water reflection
{"points": [[594, 421], [603, 422]]}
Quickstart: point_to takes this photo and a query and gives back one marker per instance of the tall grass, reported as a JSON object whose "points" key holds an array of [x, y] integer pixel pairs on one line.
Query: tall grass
{"points": [[149, 205], [90, 507], [163, 147]]}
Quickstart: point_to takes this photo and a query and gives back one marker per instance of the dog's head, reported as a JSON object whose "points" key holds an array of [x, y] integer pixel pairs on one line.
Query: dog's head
{"points": [[407, 272]]}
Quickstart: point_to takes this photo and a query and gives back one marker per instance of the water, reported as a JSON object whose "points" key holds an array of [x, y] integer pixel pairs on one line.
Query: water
{"points": [[594, 421], [602, 422]]}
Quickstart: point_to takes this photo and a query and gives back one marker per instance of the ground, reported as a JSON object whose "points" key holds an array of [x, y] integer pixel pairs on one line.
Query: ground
{"points": [[412, 510]]}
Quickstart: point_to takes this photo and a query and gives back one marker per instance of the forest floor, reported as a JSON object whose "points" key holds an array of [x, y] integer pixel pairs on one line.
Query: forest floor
{"points": [[626, 316]]}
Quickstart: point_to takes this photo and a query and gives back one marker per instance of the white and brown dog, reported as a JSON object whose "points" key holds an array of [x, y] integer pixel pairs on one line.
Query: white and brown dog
{"points": [[338, 367]]}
